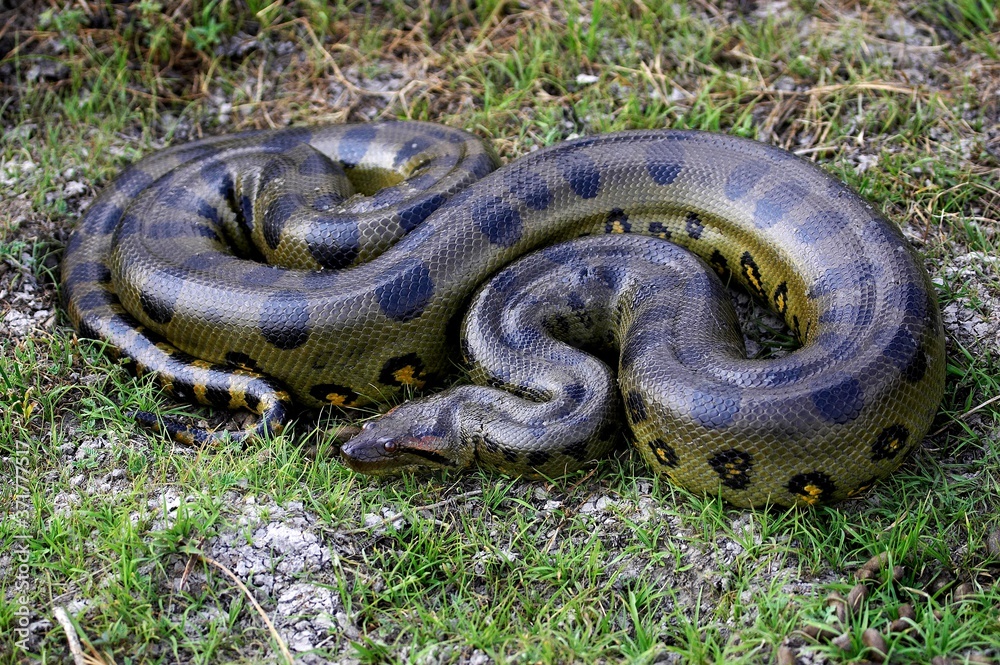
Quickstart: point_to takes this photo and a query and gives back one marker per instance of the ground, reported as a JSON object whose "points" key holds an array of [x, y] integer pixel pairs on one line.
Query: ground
{"points": [[143, 545]]}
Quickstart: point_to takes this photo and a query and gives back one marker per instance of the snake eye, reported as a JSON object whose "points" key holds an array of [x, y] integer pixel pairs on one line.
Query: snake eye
{"points": [[389, 446]]}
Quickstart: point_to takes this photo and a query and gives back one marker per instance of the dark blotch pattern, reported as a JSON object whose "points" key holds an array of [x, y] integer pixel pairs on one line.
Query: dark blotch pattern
{"points": [[814, 487], [780, 298], [734, 468], [537, 458], [533, 192], [413, 215], [284, 320], [582, 174], [413, 147], [693, 226], [406, 292], [158, 307], [354, 144], [662, 163], [840, 403], [664, 453], [277, 213], [333, 394], [752, 274], [714, 410], [498, 221], [576, 451], [658, 229], [636, 407], [333, 241], [237, 359], [820, 226], [890, 442], [743, 178], [776, 203], [91, 271], [617, 222], [405, 370]]}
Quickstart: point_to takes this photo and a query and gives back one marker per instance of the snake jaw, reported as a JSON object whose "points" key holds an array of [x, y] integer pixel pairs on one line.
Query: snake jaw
{"points": [[411, 437]]}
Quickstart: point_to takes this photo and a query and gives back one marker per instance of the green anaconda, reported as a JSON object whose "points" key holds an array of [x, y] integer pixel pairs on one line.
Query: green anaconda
{"points": [[325, 265]]}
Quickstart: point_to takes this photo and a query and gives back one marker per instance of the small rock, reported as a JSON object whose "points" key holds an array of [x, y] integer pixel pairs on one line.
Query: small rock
{"points": [[786, 655], [873, 639]]}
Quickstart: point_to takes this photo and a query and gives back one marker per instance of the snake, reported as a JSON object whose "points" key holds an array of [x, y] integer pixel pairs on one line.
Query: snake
{"points": [[329, 266]]}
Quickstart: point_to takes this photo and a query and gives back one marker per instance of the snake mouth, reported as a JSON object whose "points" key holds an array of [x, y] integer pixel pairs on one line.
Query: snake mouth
{"points": [[375, 455]]}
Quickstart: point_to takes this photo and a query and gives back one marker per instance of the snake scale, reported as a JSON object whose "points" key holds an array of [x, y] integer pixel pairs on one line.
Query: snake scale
{"points": [[325, 266]]}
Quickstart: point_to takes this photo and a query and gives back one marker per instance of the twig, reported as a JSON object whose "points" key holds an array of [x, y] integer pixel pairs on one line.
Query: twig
{"points": [[429, 506], [967, 414], [71, 636], [253, 601]]}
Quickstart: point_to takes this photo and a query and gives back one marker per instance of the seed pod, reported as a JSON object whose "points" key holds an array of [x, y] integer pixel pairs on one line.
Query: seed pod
{"points": [[937, 614], [857, 596], [842, 641], [898, 572], [993, 544], [786, 656], [905, 611], [869, 569], [839, 605], [873, 639], [962, 590], [899, 626]]}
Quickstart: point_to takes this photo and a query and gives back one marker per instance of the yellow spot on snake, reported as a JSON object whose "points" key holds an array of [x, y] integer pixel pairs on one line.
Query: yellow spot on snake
{"points": [[407, 376], [200, 392], [752, 278], [780, 301], [616, 227], [201, 364], [812, 494], [336, 399]]}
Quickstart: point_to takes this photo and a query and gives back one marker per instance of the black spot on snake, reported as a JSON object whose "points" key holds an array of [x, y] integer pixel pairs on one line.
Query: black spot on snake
{"points": [[533, 192], [331, 393], [355, 143], [218, 177], [480, 165], [93, 300], [743, 178], [102, 218], [890, 442], [405, 370], [333, 241], [575, 392], [217, 396], [246, 212], [715, 410], [276, 215], [317, 164], [693, 226], [560, 253], [576, 450], [719, 263], [840, 403], [776, 203], [413, 215], [913, 299], [752, 274], [406, 292], [207, 260], [537, 458], [287, 138], [664, 453], [274, 170], [659, 230], [498, 221], [132, 181], [158, 307], [663, 163], [90, 271], [813, 487], [411, 149], [237, 359], [128, 226], [821, 225], [780, 298], [917, 367], [734, 468], [617, 222], [582, 174], [636, 407], [283, 320], [901, 349]]}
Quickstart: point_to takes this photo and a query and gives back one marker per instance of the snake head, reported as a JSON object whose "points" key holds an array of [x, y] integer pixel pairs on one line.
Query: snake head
{"points": [[414, 436]]}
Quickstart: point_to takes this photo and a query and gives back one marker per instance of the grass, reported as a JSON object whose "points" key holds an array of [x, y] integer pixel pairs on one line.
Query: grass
{"points": [[112, 523]]}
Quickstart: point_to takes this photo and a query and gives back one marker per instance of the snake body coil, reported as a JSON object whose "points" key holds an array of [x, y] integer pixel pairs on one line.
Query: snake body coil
{"points": [[328, 263]]}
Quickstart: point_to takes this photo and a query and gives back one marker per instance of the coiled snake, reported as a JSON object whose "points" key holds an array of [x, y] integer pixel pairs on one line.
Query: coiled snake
{"points": [[384, 231]]}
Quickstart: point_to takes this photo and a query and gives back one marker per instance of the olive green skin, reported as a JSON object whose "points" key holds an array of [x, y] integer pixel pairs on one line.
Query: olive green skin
{"points": [[148, 263]]}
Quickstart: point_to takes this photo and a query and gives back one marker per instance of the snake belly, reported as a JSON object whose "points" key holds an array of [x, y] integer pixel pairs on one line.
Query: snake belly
{"points": [[352, 318]]}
